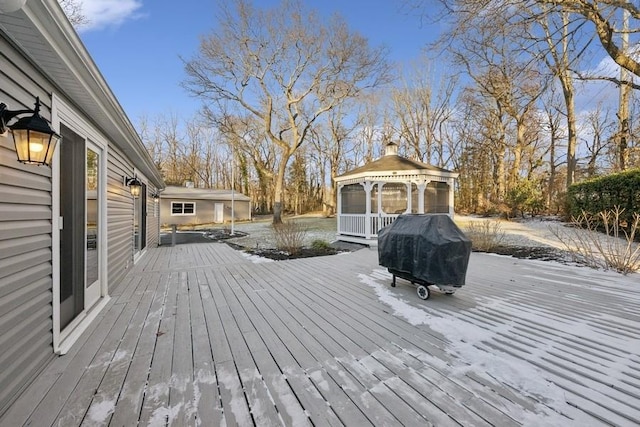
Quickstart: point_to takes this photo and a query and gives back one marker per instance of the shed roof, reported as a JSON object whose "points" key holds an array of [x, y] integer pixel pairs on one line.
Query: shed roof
{"points": [[178, 192]]}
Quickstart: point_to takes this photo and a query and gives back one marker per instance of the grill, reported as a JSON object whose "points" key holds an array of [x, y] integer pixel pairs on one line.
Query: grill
{"points": [[426, 250]]}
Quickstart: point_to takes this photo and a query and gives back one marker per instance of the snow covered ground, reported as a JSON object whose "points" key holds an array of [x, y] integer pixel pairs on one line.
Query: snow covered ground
{"points": [[532, 232]]}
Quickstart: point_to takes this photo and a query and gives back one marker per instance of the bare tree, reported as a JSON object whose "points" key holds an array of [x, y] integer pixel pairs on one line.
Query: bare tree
{"points": [[601, 130], [331, 144], [244, 138], [510, 86], [422, 110], [605, 17], [475, 127], [369, 135], [284, 66], [73, 10], [555, 133], [558, 32]]}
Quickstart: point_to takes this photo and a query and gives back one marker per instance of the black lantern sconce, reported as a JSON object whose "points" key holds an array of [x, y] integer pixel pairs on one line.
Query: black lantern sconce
{"points": [[134, 185], [156, 197], [33, 138]]}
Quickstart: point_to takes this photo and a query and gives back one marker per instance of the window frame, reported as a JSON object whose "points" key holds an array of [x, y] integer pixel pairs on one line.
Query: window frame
{"points": [[182, 210]]}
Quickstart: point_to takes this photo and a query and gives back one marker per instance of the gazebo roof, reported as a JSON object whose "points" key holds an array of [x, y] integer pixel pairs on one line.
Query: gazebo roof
{"points": [[391, 162]]}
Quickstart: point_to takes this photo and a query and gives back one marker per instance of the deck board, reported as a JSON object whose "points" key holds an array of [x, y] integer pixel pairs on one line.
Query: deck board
{"points": [[199, 335], [155, 406]]}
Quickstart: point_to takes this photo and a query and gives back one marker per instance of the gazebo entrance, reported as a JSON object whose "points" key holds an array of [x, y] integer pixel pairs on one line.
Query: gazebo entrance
{"points": [[372, 197]]}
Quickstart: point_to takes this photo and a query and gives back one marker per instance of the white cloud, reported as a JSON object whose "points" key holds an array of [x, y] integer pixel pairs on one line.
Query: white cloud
{"points": [[606, 67], [107, 13]]}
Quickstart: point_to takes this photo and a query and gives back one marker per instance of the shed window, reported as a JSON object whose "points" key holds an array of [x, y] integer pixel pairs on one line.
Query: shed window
{"points": [[183, 208]]}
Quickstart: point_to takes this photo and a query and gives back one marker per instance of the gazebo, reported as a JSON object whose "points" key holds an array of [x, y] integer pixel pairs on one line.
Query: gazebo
{"points": [[374, 195]]}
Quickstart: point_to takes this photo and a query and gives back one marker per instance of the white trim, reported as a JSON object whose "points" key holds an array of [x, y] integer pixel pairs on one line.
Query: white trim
{"points": [[80, 324], [401, 176], [94, 296], [64, 113], [138, 255], [55, 225]]}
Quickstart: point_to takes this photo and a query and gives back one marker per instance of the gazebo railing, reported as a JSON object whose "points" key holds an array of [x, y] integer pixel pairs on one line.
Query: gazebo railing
{"points": [[353, 224], [381, 221], [356, 224]]}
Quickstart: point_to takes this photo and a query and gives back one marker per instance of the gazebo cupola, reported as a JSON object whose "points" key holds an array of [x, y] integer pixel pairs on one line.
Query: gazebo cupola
{"points": [[372, 196]]}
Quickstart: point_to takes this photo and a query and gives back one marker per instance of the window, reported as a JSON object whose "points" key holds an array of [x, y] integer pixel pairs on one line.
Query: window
{"points": [[436, 197], [394, 198], [354, 199], [180, 208]]}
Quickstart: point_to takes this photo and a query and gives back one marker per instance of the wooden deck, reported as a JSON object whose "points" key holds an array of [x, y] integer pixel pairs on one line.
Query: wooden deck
{"points": [[200, 335]]}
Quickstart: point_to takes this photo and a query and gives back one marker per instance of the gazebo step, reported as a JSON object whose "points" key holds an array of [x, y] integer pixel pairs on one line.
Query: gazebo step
{"points": [[373, 242]]}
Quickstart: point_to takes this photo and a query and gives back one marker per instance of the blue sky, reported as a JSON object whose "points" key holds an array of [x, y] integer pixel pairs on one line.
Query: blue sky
{"points": [[137, 44]]}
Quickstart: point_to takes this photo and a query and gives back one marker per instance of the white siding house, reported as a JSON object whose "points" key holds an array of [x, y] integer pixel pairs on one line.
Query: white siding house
{"points": [[68, 232]]}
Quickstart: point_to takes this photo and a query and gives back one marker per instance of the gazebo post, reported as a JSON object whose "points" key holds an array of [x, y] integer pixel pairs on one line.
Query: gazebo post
{"points": [[451, 201], [422, 186], [380, 212], [409, 197], [339, 206], [368, 185]]}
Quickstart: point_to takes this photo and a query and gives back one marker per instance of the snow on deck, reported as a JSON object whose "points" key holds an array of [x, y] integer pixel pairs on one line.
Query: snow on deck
{"points": [[201, 335]]}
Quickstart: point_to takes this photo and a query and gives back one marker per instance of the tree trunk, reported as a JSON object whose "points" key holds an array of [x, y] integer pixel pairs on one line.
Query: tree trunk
{"points": [[500, 186], [277, 213], [279, 190], [567, 89], [551, 188], [514, 174]]}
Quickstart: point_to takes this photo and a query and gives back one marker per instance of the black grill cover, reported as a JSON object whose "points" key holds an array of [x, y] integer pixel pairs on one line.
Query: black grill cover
{"points": [[429, 248]]}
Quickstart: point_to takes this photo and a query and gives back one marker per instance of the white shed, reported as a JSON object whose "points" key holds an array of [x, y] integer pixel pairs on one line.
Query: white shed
{"points": [[194, 206]]}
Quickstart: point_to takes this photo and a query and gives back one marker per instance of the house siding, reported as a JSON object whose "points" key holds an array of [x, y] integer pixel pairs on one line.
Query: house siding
{"points": [[153, 218], [26, 227], [120, 217], [26, 283]]}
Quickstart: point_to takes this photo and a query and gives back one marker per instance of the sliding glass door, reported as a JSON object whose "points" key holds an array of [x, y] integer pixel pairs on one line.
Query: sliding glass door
{"points": [[80, 225]]}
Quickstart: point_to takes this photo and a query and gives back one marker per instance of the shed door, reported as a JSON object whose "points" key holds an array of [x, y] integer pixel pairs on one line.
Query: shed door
{"points": [[218, 213]]}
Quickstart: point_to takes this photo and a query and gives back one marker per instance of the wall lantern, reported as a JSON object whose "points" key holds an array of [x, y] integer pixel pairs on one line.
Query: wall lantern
{"points": [[134, 185], [33, 138], [156, 197]]}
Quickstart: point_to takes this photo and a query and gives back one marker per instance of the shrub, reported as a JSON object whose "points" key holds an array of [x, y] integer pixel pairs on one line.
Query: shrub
{"points": [[604, 194], [484, 235], [289, 236], [614, 248], [525, 197], [320, 245]]}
